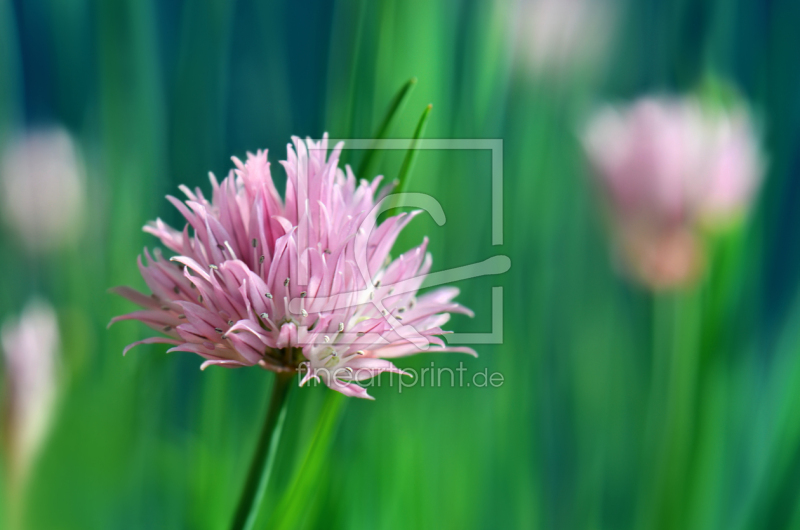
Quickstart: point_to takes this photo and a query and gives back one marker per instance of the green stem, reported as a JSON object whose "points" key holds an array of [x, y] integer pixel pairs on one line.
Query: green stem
{"points": [[264, 458], [298, 495], [672, 409], [654, 441], [679, 417]]}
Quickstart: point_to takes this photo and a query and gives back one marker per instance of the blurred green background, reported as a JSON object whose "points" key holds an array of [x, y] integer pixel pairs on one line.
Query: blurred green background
{"points": [[156, 94]]}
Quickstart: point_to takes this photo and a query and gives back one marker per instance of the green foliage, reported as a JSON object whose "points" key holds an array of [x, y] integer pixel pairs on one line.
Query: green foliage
{"points": [[618, 409]]}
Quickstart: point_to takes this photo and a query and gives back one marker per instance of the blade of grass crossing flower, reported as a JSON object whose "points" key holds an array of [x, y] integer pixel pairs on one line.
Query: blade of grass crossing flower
{"points": [[261, 467], [373, 156], [293, 506], [411, 155]]}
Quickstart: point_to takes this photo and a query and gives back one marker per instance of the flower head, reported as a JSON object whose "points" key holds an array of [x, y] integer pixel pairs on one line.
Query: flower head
{"points": [[301, 283], [669, 168], [43, 188], [30, 345]]}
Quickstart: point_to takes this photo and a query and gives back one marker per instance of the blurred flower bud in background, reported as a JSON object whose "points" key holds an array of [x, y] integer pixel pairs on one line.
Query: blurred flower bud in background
{"points": [[670, 170], [554, 36], [31, 350], [43, 189]]}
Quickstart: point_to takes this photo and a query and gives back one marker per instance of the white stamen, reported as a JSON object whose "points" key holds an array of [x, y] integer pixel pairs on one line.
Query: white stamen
{"points": [[233, 254]]}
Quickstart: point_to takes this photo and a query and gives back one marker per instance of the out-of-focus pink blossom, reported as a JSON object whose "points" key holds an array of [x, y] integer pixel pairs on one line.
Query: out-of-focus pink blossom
{"points": [[553, 36], [670, 168], [43, 188], [31, 346], [297, 284]]}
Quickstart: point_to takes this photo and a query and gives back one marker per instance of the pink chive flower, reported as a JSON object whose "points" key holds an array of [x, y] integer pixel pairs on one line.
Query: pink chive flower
{"points": [[43, 189], [30, 346], [670, 170], [297, 284], [554, 37]]}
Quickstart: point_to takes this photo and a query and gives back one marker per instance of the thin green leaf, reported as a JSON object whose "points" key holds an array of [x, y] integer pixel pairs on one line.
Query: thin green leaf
{"points": [[411, 155], [372, 156]]}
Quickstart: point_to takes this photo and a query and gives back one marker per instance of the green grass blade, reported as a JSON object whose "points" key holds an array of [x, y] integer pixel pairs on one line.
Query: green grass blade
{"points": [[411, 155], [372, 156]]}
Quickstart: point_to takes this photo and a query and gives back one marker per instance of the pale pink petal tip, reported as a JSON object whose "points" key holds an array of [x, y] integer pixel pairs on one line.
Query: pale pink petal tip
{"points": [[152, 340], [227, 364]]}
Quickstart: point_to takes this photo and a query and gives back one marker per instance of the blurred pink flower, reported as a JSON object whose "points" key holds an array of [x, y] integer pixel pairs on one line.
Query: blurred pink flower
{"points": [[669, 168], [31, 347], [553, 36], [43, 188], [230, 297]]}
